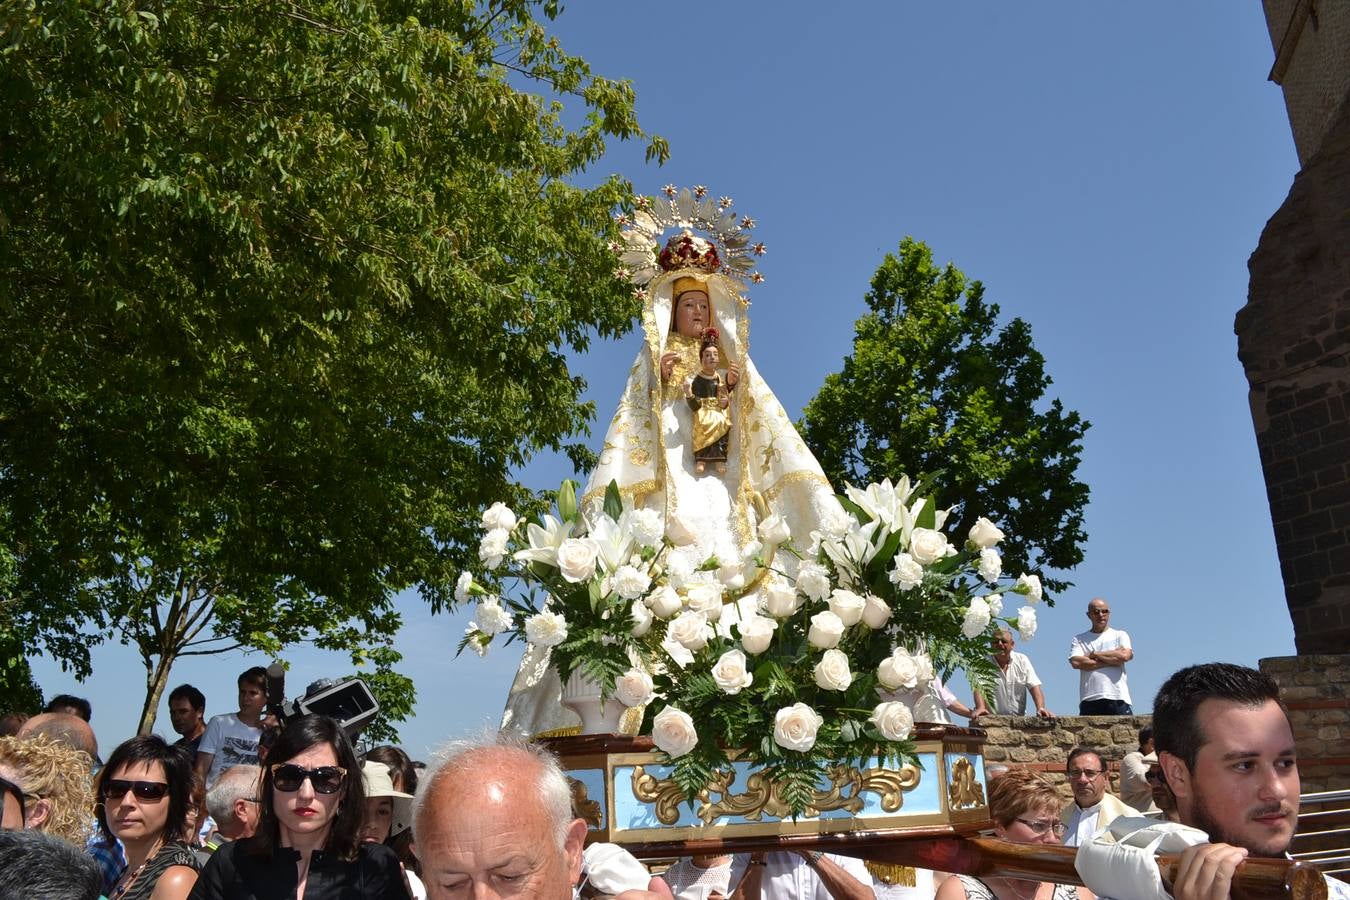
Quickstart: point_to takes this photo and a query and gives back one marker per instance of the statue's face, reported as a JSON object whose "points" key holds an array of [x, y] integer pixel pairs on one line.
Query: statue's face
{"points": [[710, 356], [691, 313]]}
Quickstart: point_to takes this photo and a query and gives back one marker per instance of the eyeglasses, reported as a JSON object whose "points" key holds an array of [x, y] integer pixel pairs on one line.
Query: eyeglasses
{"points": [[9, 787], [326, 779], [1041, 826], [149, 791], [1099, 612], [1084, 773]]}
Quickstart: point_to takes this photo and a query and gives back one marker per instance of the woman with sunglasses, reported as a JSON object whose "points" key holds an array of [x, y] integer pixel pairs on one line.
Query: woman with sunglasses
{"points": [[144, 791], [308, 843], [1025, 809]]}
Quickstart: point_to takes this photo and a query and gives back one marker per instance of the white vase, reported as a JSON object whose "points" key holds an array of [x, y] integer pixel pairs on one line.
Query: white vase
{"points": [[581, 694]]}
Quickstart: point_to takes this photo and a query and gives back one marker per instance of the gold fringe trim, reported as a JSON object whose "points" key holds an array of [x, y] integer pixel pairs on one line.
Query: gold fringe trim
{"points": [[889, 873]]}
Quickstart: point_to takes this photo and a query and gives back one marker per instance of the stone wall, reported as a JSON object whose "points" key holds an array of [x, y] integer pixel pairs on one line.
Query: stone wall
{"points": [[1311, 64], [1316, 691], [1294, 344], [1044, 744]]}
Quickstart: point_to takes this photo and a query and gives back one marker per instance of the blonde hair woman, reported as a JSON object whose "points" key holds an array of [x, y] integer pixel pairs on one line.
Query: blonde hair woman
{"points": [[55, 779]]}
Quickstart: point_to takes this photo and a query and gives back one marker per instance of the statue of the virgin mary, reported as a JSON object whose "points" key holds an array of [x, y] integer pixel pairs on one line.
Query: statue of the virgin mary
{"points": [[692, 287]]}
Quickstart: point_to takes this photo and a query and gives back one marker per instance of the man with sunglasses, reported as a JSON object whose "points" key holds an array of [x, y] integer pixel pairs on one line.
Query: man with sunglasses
{"points": [[1093, 807], [1100, 654], [1015, 678]]}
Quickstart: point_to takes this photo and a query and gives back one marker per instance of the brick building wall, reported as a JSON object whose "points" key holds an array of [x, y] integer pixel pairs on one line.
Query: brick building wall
{"points": [[1044, 744], [1316, 691]]}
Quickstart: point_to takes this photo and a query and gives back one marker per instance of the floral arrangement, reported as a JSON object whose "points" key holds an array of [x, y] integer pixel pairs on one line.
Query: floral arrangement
{"points": [[793, 659]]}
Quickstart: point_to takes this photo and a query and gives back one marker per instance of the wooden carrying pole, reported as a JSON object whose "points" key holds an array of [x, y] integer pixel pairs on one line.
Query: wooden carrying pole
{"points": [[1256, 879]]}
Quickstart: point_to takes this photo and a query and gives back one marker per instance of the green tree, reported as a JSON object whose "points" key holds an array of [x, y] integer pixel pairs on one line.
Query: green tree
{"points": [[935, 388], [286, 291]]}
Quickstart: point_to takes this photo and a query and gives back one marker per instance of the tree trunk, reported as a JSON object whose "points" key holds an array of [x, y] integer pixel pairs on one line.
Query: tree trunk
{"points": [[156, 678]]}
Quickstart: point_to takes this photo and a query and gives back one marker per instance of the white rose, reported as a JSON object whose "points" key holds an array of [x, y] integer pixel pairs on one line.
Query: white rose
{"points": [[690, 630], [750, 551], [813, 580], [576, 559], [498, 515], [907, 573], [826, 629], [729, 672], [995, 602], [630, 583], [705, 597], [991, 565], [673, 731], [679, 534], [1026, 622], [923, 664], [898, 671], [875, 612], [644, 525], [795, 727], [780, 599], [462, 587], [894, 720], [984, 534], [664, 602], [1030, 585], [928, 546], [633, 688], [774, 530], [642, 619], [493, 547], [546, 629], [756, 633], [731, 575], [848, 606], [832, 672], [679, 568], [490, 617], [977, 618]]}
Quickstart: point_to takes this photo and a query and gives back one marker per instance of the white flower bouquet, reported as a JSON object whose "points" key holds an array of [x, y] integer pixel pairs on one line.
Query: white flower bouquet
{"points": [[794, 660]]}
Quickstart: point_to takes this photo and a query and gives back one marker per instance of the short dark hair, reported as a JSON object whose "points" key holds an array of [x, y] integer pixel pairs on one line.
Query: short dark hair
{"points": [[1176, 727], [189, 693], [256, 676], [38, 866], [1083, 751], [298, 735], [1145, 735], [63, 702], [177, 763], [399, 764]]}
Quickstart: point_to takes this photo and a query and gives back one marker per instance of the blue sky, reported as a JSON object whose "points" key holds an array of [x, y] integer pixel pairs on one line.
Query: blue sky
{"points": [[1104, 169]]}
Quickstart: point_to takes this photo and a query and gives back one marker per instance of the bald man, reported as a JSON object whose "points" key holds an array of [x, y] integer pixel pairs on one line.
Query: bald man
{"points": [[63, 728], [500, 811]]}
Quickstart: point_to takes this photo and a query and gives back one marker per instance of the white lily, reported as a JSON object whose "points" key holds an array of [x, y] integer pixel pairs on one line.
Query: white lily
{"points": [[883, 502], [615, 542], [544, 541]]}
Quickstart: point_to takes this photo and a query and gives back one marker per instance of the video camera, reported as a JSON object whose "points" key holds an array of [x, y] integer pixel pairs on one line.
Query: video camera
{"points": [[348, 701]]}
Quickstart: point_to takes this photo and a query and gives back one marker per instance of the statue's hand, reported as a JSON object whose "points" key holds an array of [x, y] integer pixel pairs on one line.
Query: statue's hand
{"points": [[668, 364], [733, 375]]}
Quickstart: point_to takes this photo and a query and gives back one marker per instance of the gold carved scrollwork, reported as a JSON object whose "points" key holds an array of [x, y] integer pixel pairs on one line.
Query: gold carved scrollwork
{"points": [[964, 792], [763, 797], [583, 807]]}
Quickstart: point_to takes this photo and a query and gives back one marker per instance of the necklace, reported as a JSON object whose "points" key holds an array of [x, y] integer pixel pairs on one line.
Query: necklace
{"points": [[124, 883]]}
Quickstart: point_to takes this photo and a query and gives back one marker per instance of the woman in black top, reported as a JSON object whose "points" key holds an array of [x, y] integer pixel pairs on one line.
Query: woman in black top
{"points": [[143, 792], [308, 843]]}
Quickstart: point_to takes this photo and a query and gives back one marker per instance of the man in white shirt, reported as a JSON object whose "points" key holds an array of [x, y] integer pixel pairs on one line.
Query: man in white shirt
{"points": [[232, 739], [1015, 678], [1100, 655], [1093, 808], [1134, 787], [797, 875]]}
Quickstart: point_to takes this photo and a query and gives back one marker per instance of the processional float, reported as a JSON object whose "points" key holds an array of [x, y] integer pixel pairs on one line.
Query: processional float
{"points": [[751, 656]]}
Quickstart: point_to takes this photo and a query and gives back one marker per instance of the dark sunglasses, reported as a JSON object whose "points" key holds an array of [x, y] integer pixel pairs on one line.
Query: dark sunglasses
{"points": [[149, 791], [9, 787], [326, 779]]}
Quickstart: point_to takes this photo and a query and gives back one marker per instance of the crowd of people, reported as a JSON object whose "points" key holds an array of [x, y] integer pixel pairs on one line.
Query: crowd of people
{"points": [[294, 813]]}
